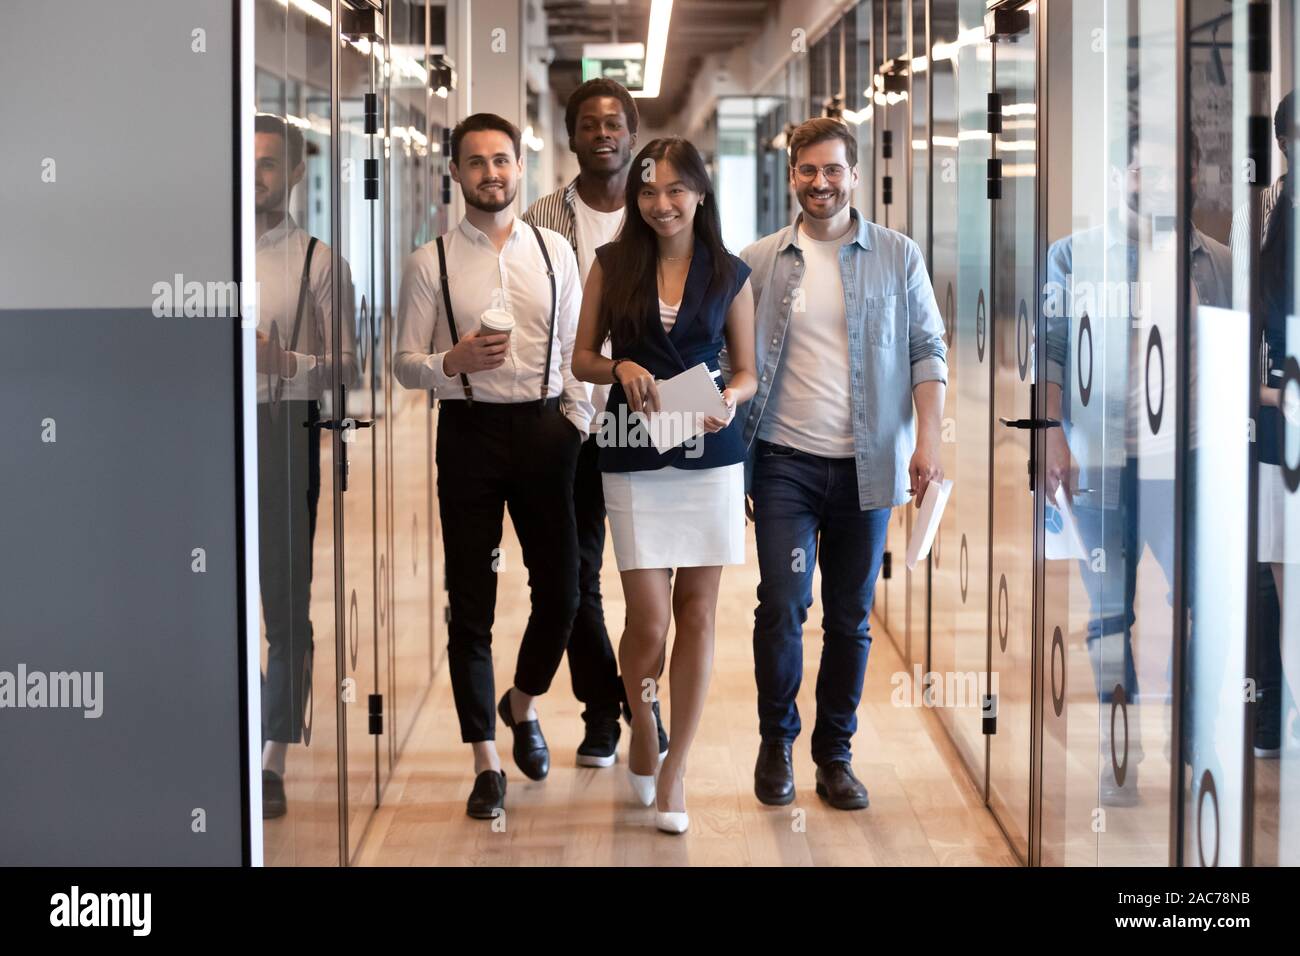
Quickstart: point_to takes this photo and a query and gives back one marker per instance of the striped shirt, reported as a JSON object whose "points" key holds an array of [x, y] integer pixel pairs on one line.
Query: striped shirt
{"points": [[554, 211], [1239, 239]]}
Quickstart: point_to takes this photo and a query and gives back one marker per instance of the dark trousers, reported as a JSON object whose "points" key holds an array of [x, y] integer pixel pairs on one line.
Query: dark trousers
{"points": [[288, 490], [521, 458], [805, 510], [592, 664]]}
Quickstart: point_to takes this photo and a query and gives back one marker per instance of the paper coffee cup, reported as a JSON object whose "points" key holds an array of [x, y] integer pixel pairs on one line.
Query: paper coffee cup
{"points": [[496, 322]]}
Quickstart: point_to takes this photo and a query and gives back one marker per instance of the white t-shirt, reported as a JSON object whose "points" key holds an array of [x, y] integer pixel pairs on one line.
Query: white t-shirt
{"points": [[594, 228], [811, 406]]}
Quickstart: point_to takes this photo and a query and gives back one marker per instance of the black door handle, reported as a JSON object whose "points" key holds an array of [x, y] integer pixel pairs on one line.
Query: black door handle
{"points": [[1030, 422], [332, 425]]}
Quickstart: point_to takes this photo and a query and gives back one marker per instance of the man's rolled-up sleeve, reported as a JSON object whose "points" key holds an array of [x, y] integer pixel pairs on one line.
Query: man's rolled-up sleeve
{"points": [[929, 355]]}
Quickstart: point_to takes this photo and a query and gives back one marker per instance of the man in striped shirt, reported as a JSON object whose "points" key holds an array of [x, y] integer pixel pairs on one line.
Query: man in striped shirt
{"points": [[601, 120], [1283, 122]]}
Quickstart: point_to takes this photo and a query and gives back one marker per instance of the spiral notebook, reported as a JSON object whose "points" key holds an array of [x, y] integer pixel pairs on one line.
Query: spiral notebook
{"points": [[684, 402]]}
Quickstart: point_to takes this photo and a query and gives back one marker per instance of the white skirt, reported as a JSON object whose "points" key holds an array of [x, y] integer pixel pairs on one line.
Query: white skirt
{"points": [[677, 517]]}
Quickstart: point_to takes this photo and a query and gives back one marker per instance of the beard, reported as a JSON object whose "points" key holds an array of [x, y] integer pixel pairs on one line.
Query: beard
{"points": [[270, 202], [838, 201], [473, 198]]}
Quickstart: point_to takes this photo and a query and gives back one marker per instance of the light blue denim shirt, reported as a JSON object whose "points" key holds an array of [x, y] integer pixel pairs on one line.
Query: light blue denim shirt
{"points": [[895, 343]]}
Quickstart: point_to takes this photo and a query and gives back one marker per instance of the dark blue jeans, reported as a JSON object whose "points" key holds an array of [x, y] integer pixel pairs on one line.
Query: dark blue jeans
{"points": [[805, 510]]}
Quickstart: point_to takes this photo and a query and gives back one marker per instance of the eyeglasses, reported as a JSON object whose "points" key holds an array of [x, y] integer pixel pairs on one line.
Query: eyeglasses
{"points": [[833, 172]]}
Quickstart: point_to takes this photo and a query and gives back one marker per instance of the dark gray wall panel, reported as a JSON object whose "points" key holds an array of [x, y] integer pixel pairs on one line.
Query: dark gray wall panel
{"points": [[97, 529]]}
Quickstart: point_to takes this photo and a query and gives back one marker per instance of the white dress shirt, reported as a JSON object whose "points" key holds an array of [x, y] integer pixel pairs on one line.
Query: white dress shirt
{"points": [[481, 278], [281, 252]]}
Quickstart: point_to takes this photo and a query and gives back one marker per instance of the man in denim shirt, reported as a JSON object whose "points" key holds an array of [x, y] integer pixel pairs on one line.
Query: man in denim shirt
{"points": [[848, 335]]}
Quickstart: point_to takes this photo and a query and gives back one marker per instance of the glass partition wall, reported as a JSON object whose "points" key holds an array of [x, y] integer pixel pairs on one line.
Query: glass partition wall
{"points": [[1106, 619], [344, 193]]}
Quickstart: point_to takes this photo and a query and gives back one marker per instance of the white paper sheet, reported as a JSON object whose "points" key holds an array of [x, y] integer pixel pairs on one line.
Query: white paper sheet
{"points": [[684, 401], [1062, 540], [927, 521]]}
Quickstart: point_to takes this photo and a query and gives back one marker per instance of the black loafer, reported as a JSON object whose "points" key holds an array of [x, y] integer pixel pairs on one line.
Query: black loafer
{"points": [[530, 751], [488, 795], [774, 774], [274, 803], [838, 787]]}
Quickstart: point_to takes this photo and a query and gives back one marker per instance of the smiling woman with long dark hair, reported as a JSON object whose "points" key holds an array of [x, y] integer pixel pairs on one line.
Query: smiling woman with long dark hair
{"points": [[668, 296]]}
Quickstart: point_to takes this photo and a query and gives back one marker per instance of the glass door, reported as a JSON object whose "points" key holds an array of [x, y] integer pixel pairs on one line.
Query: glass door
{"points": [[362, 564], [299, 349], [1012, 316], [1110, 374], [1239, 735], [412, 216], [957, 653]]}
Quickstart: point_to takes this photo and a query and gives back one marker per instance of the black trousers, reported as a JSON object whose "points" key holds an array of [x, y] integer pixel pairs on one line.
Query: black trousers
{"points": [[521, 458], [592, 664], [288, 490]]}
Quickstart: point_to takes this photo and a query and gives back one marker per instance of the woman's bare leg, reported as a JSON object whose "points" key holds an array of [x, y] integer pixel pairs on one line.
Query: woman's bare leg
{"points": [[695, 604], [640, 656]]}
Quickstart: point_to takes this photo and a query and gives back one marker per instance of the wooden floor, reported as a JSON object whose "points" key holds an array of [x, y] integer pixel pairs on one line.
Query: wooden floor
{"points": [[924, 809]]}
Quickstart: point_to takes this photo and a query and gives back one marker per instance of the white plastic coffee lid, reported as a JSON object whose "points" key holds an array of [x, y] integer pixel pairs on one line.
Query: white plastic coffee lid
{"points": [[498, 319]]}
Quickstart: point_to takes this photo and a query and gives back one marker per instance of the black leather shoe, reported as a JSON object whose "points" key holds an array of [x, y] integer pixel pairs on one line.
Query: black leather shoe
{"points": [[663, 734], [530, 751], [838, 787], [599, 747], [488, 795], [774, 774], [274, 803]]}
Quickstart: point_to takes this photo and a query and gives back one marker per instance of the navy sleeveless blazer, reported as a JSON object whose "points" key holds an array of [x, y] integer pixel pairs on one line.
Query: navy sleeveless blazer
{"points": [[698, 335]]}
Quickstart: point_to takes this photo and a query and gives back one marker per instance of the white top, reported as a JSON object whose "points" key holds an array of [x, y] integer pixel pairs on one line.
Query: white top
{"points": [[481, 278], [668, 314], [280, 255], [592, 229], [810, 407]]}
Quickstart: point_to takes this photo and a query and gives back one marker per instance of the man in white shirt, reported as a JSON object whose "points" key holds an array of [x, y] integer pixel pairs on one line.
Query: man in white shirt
{"points": [[295, 365], [601, 119], [510, 424]]}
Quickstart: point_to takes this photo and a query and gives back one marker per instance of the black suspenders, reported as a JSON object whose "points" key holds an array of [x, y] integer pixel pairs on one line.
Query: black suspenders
{"points": [[550, 339], [297, 316], [451, 317]]}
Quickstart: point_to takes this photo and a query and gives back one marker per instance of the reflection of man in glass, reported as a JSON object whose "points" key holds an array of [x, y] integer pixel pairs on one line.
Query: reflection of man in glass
{"points": [[1277, 299], [1096, 330], [294, 371]]}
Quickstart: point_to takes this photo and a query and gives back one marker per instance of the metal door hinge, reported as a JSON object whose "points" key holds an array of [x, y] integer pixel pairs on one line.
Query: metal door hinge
{"points": [[1005, 19], [989, 712], [995, 179], [376, 714], [994, 121]]}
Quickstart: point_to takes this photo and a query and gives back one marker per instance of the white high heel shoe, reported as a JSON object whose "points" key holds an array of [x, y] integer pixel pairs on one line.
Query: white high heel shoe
{"points": [[672, 821], [643, 786]]}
